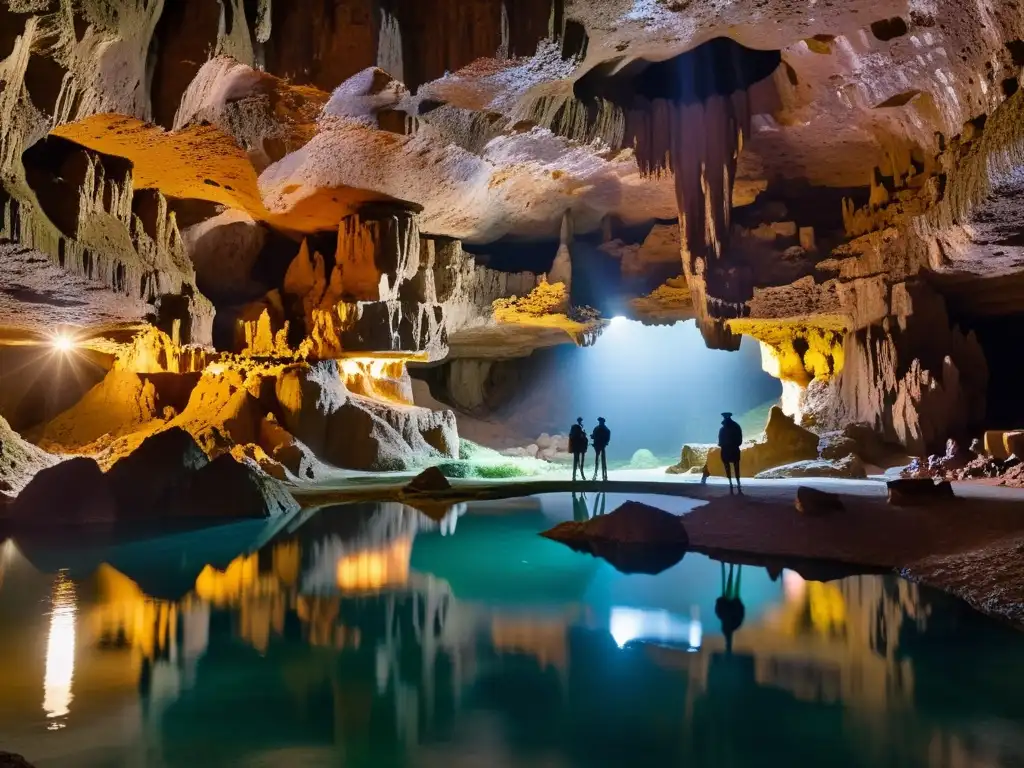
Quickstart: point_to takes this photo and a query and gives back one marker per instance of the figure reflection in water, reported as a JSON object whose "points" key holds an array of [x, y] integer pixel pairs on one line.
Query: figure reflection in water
{"points": [[579, 507], [729, 607], [581, 511]]}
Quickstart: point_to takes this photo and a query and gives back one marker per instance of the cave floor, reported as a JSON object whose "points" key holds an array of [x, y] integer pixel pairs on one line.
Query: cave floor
{"points": [[972, 546]]}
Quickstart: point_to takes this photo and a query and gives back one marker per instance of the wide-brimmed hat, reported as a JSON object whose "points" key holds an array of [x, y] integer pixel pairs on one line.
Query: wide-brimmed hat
{"points": [[726, 415]]}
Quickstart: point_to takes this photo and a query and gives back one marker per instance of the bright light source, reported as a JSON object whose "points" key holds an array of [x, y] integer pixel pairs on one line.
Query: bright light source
{"points": [[63, 343]]}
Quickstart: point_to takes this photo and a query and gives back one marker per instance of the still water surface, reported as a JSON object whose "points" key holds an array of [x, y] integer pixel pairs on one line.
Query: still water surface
{"points": [[369, 635]]}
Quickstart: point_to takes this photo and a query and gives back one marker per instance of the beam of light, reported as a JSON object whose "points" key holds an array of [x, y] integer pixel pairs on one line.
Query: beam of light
{"points": [[60, 652], [792, 398]]}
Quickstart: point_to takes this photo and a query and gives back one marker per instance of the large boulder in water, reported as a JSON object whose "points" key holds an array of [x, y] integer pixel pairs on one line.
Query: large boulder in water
{"points": [[74, 492], [430, 480], [230, 489], [153, 476], [635, 538]]}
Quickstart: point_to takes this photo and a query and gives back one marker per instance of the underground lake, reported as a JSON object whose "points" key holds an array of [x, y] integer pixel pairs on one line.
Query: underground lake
{"points": [[370, 634]]}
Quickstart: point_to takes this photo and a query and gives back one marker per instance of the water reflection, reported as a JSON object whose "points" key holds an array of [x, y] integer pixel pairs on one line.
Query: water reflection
{"points": [[369, 637], [60, 652]]}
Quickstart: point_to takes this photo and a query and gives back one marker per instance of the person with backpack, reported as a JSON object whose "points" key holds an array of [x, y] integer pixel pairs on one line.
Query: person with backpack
{"points": [[578, 446], [600, 438]]}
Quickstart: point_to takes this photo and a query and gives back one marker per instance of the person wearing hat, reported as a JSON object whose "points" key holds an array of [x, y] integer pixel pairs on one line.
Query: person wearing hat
{"points": [[730, 438], [578, 446], [600, 437]]}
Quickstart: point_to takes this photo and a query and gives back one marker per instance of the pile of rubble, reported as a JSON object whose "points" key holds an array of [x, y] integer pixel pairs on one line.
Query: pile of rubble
{"points": [[998, 456]]}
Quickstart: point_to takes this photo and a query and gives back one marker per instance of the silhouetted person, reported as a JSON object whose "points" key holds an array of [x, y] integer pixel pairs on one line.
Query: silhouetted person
{"points": [[600, 437], [578, 446], [730, 438], [729, 607]]}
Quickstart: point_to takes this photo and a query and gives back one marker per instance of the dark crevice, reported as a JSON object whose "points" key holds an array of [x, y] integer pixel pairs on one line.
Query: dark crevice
{"points": [[719, 67], [889, 29], [1016, 51], [574, 41], [44, 79], [185, 36]]}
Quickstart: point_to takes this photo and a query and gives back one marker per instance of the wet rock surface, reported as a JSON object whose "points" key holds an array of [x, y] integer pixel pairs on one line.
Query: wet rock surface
{"points": [[635, 538]]}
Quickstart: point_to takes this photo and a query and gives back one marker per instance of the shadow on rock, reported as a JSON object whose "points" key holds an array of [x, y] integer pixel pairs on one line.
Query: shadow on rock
{"points": [[635, 538]]}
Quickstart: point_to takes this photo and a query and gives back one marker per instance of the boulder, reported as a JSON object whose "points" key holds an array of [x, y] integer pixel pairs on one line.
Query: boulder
{"points": [[635, 538], [1001, 444], [74, 492], [631, 523], [147, 482], [430, 480], [11, 760], [784, 442], [20, 461], [850, 468], [812, 502], [228, 489], [907, 492], [282, 446], [691, 457], [836, 445]]}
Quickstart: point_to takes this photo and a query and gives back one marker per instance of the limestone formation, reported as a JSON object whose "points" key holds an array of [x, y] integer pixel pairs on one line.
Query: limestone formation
{"points": [[20, 461], [784, 442], [849, 468], [73, 492], [273, 189]]}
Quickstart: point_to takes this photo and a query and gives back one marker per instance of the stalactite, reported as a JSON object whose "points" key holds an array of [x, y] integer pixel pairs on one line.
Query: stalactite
{"points": [[699, 143], [389, 47]]}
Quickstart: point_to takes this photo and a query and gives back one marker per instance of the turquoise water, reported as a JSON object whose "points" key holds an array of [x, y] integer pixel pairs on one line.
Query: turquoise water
{"points": [[370, 635]]}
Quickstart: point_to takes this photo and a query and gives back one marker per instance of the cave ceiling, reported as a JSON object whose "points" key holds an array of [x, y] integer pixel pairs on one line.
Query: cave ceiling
{"points": [[141, 137]]}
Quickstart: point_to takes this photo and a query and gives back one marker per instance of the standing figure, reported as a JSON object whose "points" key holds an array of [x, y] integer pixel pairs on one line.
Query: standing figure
{"points": [[600, 437], [578, 446], [730, 438]]}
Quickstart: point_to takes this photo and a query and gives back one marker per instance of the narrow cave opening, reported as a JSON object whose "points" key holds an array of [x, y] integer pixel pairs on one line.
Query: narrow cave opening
{"points": [[1001, 338], [658, 387]]}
